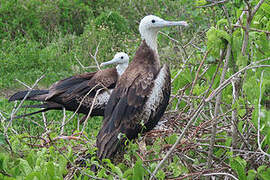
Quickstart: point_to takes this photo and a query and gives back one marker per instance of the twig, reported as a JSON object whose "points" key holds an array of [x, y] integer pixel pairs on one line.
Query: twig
{"points": [[19, 106], [196, 174], [174, 40], [183, 67], [252, 29], [220, 174], [193, 116], [84, 67], [90, 176], [213, 4], [218, 102], [259, 118], [235, 93], [28, 87], [79, 105], [63, 121], [198, 71], [235, 150], [228, 81], [256, 8], [44, 122], [177, 141], [91, 109], [3, 119], [15, 111], [250, 15], [95, 56]]}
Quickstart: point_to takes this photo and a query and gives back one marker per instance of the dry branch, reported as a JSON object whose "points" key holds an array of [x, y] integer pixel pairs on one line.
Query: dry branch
{"points": [[218, 102], [259, 119], [192, 118]]}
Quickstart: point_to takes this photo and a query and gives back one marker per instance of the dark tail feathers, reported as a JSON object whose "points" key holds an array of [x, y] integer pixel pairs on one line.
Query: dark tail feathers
{"points": [[29, 114], [49, 106], [31, 96]]}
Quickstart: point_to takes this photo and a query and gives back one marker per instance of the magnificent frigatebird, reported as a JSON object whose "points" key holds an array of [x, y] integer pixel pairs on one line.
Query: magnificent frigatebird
{"points": [[76, 93], [141, 95]]}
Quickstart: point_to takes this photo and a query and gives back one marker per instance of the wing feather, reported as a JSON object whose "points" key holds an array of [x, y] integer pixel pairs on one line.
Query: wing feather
{"points": [[80, 85]]}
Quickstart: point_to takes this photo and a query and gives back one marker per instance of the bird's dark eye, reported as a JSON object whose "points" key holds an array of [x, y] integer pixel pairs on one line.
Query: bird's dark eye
{"points": [[122, 57], [153, 21]]}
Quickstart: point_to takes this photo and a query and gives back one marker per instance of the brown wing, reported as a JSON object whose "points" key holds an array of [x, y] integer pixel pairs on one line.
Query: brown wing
{"points": [[125, 104], [80, 85], [70, 92]]}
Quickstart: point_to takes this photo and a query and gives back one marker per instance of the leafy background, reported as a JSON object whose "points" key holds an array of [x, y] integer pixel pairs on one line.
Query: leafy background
{"points": [[46, 37]]}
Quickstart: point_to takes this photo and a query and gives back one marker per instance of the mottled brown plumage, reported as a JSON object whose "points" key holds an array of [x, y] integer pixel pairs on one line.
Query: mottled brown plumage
{"points": [[140, 96], [127, 106], [80, 93], [69, 93]]}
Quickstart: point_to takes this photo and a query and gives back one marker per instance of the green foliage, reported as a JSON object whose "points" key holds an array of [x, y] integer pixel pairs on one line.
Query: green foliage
{"points": [[216, 40], [112, 20], [35, 165], [39, 20], [239, 166], [45, 37]]}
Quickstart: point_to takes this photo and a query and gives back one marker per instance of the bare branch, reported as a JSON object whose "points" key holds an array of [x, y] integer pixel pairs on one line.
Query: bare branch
{"points": [[63, 121], [84, 67], [19, 106], [259, 118], [91, 109], [221, 174], [235, 93], [256, 8], [228, 81], [193, 117], [213, 4], [95, 56], [252, 29], [177, 141], [218, 102], [28, 87], [197, 74], [44, 122]]}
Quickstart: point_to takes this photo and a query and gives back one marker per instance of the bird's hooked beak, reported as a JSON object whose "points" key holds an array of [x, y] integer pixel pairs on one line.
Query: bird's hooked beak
{"points": [[113, 61], [172, 23]]}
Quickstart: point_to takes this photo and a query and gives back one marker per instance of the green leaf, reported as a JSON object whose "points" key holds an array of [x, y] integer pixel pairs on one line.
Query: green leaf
{"points": [[34, 176], [4, 161], [221, 23], [51, 169], [171, 139], [138, 171], [264, 172], [266, 8], [128, 173], [238, 165], [216, 40], [2, 139], [102, 173], [241, 61], [160, 174], [251, 174], [201, 2], [24, 167]]}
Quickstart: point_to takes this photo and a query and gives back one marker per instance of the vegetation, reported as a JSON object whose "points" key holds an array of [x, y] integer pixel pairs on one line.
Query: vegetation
{"points": [[218, 118]]}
